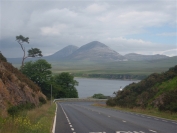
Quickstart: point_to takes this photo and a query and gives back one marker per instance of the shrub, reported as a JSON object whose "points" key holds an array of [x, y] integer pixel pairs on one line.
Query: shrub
{"points": [[99, 96], [42, 100], [15, 110], [111, 102], [2, 57]]}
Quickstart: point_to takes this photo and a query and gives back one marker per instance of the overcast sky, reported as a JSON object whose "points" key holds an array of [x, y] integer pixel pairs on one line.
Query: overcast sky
{"points": [[126, 26]]}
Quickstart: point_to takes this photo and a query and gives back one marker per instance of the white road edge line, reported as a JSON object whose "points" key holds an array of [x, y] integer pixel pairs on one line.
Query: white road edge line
{"points": [[54, 122]]}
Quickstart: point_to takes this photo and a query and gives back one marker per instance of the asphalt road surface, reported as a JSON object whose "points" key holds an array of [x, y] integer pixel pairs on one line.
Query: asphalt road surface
{"points": [[82, 117]]}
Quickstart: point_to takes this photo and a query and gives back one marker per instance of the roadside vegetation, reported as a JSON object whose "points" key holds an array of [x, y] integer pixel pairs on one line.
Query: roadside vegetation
{"points": [[158, 91], [62, 84], [37, 120]]}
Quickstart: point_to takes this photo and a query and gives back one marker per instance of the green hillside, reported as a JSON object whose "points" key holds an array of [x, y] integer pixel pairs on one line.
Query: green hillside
{"points": [[134, 69], [156, 91]]}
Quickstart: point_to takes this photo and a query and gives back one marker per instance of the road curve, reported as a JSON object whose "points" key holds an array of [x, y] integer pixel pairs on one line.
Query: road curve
{"points": [[82, 117]]}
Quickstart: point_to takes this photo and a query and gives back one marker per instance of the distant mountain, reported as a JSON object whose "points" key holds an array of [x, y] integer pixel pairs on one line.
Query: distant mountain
{"points": [[59, 55], [66, 51], [95, 51], [139, 57]]}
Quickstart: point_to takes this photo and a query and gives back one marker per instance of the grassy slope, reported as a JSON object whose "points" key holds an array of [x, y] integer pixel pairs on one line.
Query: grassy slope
{"points": [[167, 86], [38, 120]]}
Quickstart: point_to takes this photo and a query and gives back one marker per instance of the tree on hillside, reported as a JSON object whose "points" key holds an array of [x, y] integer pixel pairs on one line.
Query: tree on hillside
{"points": [[33, 52], [67, 83], [39, 72]]}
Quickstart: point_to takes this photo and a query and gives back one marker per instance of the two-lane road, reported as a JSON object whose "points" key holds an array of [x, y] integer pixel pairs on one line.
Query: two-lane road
{"points": [[82, 117]]}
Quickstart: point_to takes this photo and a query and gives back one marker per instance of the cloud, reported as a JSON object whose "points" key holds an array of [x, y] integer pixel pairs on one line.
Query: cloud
{"points": [[169, 52], [125, 46], [54, 30], [130, 42], [96, 8], [132, 22], [168, 34]]}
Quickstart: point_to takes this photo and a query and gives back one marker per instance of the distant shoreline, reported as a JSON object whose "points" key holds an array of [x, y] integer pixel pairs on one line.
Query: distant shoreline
{"points": [[130, 77], [107, 79]]}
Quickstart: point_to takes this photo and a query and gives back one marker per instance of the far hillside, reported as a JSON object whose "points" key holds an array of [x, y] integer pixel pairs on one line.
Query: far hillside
{"points": [[157, 91], [115, 70]]}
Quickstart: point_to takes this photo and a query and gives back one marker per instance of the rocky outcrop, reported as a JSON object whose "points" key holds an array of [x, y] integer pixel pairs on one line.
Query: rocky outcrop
{"points": [[16, 88]]}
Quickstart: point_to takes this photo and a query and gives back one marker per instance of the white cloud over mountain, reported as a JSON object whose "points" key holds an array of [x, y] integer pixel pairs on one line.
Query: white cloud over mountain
{"points": [[52, 25]]}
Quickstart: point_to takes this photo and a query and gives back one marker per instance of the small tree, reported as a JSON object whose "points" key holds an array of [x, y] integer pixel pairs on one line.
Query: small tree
{"points": [[67, 83], [33, 52]]}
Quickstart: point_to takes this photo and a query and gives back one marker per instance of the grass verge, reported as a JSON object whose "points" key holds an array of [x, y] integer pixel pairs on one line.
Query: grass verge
{"points": [[38, 120], [151, 112]]}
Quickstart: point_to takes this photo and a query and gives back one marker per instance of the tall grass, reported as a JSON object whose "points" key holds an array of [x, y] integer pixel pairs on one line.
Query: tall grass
{"points": [[38, 120]]}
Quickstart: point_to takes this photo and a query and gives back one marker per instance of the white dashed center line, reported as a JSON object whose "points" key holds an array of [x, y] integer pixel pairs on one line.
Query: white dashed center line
{"points": [[68, 120], [152, 131]]}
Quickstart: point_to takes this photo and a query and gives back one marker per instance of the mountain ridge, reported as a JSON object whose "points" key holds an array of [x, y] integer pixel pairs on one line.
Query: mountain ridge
{"points": [[140, 57], [64, 52], [94, 51]]}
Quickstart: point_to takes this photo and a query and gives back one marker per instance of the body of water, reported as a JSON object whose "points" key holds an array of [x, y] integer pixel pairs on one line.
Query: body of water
{"points": [[88, 86]]}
